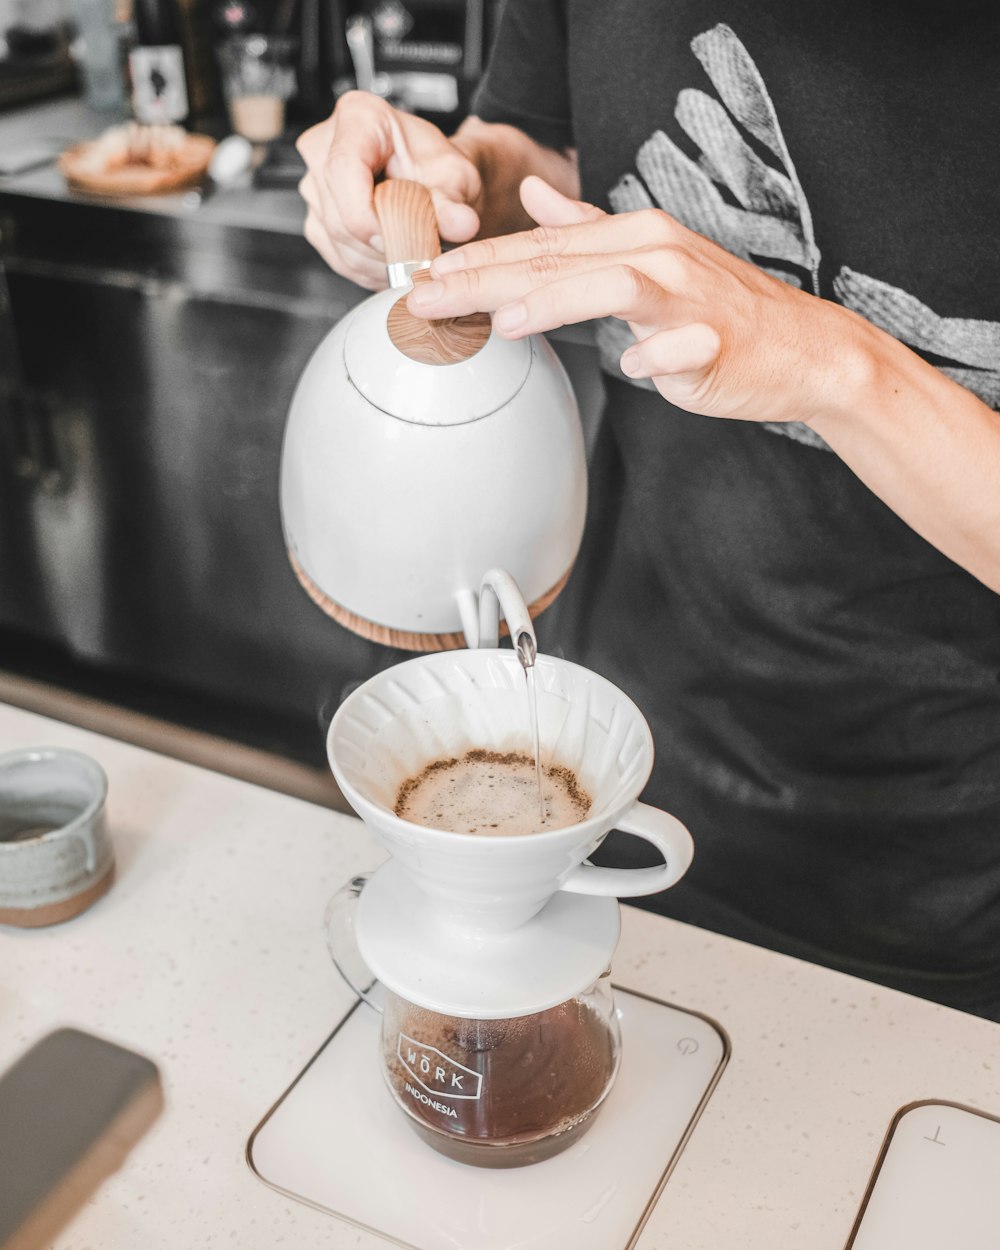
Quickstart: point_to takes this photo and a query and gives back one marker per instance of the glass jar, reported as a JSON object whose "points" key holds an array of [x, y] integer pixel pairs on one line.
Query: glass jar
{"points": [[502, 1093], [494, 1091]]}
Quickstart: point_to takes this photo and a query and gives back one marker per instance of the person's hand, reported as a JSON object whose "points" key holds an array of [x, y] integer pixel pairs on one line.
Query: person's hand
{"points": [[364, 137], [716, 335]]}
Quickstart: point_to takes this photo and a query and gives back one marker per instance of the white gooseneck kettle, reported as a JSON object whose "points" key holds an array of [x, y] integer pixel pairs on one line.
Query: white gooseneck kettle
{"points": [[418, 455]]}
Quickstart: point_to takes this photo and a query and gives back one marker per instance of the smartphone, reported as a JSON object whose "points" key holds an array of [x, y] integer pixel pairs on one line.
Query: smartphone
{"points": [[71, 1109]]}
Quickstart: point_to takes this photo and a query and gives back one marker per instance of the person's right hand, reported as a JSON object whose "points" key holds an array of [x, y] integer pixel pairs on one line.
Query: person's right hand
{"points": [[363, 137]]}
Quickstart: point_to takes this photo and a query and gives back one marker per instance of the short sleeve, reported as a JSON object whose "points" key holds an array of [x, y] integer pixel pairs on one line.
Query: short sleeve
{"points": [[525, 83]]}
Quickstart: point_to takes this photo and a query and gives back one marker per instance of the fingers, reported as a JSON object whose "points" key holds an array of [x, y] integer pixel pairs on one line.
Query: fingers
{"points": [[597, 235], [356, 144], [422, 153], [626, 286], [686, 367], [572, 238], [457, 223], [340, 223], [688, 351], [364, 137], [341, 155], [618, 290], [544, 204], [486, 290], [366, 270], [341, 251]]}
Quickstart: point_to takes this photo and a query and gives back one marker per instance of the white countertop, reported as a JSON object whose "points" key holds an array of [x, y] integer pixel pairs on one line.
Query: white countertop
{"points": [[207, 955]]}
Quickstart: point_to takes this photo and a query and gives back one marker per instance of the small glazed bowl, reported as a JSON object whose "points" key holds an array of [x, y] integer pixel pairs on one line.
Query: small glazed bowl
{"points": [[56, 857]]}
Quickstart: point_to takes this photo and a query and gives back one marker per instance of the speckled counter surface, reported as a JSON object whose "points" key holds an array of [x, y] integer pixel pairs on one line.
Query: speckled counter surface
{"points": [[207, 955]]}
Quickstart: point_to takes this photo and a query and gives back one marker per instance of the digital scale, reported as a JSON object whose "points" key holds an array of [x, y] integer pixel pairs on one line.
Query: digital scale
{"points": [[337, 1141], [936, 1185]]}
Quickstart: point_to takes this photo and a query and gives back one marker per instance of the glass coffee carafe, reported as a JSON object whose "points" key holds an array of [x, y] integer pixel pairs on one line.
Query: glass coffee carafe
{"points": [[501, 1093], [494, 1091]]}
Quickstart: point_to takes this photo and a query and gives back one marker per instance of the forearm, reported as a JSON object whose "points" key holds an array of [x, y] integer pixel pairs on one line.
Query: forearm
{"points": [[924, 444], [505, 156]]}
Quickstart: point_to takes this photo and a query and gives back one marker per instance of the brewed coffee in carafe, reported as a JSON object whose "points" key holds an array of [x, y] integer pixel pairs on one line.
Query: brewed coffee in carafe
{"points": [[507, 1092]]}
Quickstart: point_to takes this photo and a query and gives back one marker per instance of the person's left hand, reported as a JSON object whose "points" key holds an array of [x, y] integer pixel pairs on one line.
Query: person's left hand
{"points": [[716, 335]]}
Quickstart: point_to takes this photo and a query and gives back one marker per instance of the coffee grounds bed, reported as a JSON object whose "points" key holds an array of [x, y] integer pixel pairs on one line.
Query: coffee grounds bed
{"points": [[335, 1140]]}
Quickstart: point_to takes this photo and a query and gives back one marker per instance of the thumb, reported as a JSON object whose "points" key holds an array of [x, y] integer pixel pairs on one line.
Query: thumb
{"points": [[549, 207], [680, 361], [458, 222], [451, 178]]}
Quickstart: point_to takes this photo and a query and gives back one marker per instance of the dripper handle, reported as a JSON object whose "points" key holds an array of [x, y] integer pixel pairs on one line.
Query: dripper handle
{"points": [[666, 833], [408, 223], [342, 942]]}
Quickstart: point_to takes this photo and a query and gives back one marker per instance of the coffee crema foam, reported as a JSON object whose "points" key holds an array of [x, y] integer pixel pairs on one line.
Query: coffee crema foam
{"points": [[492, 793]]}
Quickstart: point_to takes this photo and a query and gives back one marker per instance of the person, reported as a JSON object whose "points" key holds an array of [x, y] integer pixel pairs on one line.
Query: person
{"points": [[780, 220]]}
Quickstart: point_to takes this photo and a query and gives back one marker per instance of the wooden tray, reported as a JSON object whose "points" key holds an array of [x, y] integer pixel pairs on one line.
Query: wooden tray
{"points": [[186, 168]]}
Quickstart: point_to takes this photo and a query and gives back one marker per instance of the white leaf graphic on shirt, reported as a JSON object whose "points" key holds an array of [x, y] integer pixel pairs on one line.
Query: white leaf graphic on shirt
{"points": [[738, 82], [770, 223], [973, 345]]}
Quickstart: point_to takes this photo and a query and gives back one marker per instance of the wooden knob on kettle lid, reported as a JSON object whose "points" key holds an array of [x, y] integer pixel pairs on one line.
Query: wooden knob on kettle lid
{"points": [[409, 232]]}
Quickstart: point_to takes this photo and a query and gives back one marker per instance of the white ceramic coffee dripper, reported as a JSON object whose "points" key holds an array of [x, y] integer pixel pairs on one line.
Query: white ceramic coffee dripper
{"points": [[440, 706], [464, 936]]}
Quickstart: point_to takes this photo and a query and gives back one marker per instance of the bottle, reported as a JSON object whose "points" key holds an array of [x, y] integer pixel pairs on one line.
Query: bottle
{"points": [[159, 85], [198, 34], [101, 34]]}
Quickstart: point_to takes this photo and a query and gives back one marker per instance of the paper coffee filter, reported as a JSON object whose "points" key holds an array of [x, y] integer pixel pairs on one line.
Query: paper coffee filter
{"points": [[440, 706]]}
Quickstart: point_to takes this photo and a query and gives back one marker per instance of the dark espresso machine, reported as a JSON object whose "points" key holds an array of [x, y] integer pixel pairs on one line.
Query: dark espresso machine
{"points": [[425, 56]]}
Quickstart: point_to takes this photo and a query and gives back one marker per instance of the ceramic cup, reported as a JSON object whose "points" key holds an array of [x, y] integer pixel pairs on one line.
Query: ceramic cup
{"points": [[441, 705], [55, 854]]}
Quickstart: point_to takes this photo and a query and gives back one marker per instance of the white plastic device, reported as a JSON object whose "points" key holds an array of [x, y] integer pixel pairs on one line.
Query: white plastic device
{"points": [[336, 1141], [935, 1184]]}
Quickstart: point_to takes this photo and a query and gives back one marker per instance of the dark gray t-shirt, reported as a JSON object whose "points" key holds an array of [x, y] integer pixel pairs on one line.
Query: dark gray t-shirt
{"points": [[823, 686]]}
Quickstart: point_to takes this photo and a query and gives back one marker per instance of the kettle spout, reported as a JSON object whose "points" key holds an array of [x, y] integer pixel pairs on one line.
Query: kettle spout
{"points": [[499, 592], [526, 647]]}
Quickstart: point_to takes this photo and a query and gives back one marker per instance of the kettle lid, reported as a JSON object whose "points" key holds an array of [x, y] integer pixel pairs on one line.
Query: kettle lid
{"points": [[485, 975], [465, 388]]}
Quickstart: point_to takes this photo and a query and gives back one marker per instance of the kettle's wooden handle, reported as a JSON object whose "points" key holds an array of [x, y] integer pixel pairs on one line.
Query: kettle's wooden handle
{"points": [[409, 225]]}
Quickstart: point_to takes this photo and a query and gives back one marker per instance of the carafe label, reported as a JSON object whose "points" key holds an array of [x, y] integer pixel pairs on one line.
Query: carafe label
{"points": [[436, 1073]]}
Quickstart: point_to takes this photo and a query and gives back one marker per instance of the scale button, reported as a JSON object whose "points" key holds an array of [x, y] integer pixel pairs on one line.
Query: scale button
{"points": [[687, 1045]]}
